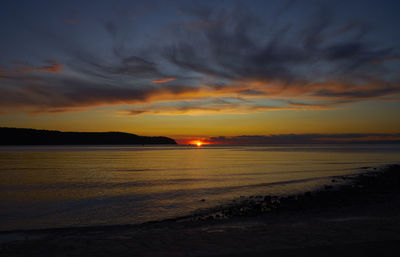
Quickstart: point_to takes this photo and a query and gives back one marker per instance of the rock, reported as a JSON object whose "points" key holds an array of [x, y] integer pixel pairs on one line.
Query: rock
{"points": [[307, 194]]}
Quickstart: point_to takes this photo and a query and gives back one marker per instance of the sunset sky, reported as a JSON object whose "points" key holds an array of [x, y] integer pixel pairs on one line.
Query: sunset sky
{"points": [[211, 70]]}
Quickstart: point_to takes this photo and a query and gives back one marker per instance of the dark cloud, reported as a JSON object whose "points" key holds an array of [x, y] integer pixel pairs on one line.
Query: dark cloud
{"points": [[111, 28], [232, 49], [72, 21], [51, 67], [53, 93], [360, 94], [206, 106], [211, 53], [306, 139]]}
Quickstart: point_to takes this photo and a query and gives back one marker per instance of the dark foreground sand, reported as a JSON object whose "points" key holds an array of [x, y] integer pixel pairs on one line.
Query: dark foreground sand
{"points": [[361, 218]]}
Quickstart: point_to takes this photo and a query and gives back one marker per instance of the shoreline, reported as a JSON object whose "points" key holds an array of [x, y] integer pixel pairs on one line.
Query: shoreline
{"points": [[252, 204], [366, 207], [343, 189]]}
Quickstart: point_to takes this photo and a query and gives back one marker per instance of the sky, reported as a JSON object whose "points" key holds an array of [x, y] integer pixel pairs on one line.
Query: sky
{"points": [[218, 71]]}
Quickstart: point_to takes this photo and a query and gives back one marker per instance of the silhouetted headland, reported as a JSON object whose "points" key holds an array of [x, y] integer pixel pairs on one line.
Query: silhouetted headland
{"points": [[22, 136]]}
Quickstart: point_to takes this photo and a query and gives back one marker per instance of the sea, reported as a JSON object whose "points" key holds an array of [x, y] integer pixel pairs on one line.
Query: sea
{"points": [[74, 186]]}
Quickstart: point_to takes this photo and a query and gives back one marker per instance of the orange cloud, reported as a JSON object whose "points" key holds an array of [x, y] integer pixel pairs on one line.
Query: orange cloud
{"points": [[163, 80], [206, 106], [234, 96], [386, 59], [53, 68]]}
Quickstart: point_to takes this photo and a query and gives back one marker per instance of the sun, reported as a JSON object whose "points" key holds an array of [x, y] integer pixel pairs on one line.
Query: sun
{"points": [[197, 143]]}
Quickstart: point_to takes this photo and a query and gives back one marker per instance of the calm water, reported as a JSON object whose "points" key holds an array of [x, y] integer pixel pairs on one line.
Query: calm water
{"points": [[43, 187]]}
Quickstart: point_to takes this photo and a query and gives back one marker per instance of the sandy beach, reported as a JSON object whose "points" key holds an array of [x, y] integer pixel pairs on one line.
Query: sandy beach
{"points": [[360, 217]]}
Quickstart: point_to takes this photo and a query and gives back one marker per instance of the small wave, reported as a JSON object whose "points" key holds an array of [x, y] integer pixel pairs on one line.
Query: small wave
{"points": [[74, 186]]}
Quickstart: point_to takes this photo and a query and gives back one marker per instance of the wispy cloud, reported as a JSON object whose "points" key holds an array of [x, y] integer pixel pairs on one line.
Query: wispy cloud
{"points": [[204, 107], [213, 54], [165, 80], [53, 67]]}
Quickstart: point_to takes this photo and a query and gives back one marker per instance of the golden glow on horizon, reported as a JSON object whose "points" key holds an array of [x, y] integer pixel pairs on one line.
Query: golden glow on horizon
{"points": [[197, 143], [357, 118]]}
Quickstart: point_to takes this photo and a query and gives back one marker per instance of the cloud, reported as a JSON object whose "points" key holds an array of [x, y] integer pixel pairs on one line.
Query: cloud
{"points": [[386, 59], [306, 139], [206, 105], [287, 60], [121, 67], [72, 21], [111, 28], [213, 60], [53, 67], [52, 94], [203, 107], [165, 80]]}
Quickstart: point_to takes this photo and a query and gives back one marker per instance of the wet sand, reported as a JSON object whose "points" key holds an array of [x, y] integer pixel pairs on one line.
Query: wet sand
{"points": [[358, 217]]}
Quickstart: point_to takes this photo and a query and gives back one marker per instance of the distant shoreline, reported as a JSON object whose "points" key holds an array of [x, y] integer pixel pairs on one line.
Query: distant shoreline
{"points": [[25, 137]]}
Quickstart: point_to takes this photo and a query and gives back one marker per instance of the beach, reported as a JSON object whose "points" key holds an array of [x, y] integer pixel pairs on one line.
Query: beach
{"points": [[360, 216]]}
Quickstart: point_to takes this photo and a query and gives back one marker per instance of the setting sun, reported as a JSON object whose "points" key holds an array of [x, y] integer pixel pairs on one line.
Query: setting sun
{"points": [[197, 143]]}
